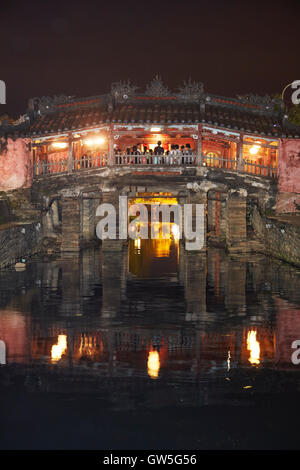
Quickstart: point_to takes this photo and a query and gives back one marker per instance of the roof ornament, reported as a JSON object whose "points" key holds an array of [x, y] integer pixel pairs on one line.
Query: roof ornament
{"points": [[265, 102], [45, 104], [191, 90], [123, 91], [157, 88]]}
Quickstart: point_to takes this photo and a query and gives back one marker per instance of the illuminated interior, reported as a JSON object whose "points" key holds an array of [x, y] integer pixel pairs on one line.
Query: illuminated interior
{"points": [[218, 148], [260, 151]]}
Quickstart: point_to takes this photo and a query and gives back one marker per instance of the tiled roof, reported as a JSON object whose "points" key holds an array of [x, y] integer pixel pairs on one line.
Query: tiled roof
{"points": [[144, 110]]}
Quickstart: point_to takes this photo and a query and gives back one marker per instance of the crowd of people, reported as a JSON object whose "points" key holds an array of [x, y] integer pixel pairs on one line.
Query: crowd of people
{"points": [[176, 155]]}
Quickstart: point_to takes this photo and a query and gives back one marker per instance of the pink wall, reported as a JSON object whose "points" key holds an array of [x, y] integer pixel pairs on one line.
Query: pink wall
{"points": [[13, 333], [15, 165], [289, 176]]}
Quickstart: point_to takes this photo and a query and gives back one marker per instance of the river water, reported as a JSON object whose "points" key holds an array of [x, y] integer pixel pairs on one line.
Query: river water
{"points": [[153, 347]]}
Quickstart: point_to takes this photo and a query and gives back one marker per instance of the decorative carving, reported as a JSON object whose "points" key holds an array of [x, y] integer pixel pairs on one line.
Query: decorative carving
{"points": [[265, 102], [157, 88], [123, 91], [191, 91], [21, 120], [45, 104]]}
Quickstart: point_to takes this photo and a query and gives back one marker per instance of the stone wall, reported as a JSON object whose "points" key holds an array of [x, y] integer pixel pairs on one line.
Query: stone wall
{"points": [[70, 224], [18, 241], [236, 228], [15, 165], [288, 198], [281, 239]]}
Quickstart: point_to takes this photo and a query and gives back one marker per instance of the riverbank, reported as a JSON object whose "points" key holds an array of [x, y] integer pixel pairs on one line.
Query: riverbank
{"points": [[280, 235]]}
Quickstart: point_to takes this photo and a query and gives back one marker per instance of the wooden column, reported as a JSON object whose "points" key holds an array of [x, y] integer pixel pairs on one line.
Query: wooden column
{"points": [[111, 156], [239, 152], [70, 153], [199, 147]]}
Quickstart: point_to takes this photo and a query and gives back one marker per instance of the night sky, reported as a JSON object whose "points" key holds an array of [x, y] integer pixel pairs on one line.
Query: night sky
{"points": [[80, 48]]}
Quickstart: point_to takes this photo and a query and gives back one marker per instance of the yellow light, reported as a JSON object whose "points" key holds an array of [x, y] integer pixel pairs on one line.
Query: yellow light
{"points": [[153, 364], [254, 149], [228, 361], [162, 247], [155, 129], [99, 140], [137, 243], [59, 348], [95, 141], [175, 231], [155, 200], [59, 145], [254, 347]]}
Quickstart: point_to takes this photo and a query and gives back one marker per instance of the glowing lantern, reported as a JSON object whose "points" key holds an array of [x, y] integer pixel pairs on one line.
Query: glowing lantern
{"points": [[59, 145], [95, 141], [254, 149]]}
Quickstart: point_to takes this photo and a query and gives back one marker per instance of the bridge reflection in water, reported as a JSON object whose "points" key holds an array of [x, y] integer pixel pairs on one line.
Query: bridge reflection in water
{"points": [[151, 327], [153, 311]]}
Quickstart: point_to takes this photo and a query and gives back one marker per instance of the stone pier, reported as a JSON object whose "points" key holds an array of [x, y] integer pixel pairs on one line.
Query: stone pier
{"points": [[70, 224], [236, 225]]}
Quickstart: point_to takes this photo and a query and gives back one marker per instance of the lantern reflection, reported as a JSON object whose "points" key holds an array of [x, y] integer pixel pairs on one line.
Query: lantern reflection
{"points": [[254, 347], [58, 349], [153, 364]]}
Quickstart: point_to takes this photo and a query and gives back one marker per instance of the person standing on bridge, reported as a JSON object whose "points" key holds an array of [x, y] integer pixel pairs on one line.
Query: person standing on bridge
{"points": [[158, 151]]}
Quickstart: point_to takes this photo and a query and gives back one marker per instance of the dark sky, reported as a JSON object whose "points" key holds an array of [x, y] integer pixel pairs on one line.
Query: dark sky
{"points": [[79, 48]]}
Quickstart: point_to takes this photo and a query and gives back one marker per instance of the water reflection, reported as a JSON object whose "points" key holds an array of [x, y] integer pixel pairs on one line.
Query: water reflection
{"points": [[154, 311], [153, 364], [59, 349], [155, 257], [253, 347]]}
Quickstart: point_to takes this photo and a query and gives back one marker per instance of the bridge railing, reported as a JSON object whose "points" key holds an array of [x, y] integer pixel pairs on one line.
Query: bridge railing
{"points": [[256, 169], [246, 166], [43, 168], [161, 160], [86, 162]]}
